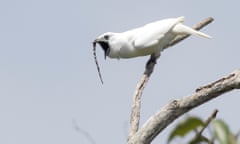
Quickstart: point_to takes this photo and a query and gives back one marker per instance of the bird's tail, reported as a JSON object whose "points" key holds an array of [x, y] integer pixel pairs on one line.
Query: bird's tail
{"points": [[182, 29]]}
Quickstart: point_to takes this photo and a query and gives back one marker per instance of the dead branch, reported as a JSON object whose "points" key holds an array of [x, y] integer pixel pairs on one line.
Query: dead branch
{"points": [[170, 112]]}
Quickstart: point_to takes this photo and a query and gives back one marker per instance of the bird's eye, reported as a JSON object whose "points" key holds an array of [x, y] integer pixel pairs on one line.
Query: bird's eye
{"points": [[106, 37]]}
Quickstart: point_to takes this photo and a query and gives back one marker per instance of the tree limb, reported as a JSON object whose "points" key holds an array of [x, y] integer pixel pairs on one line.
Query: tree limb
{"points": [[170, 112], [136, 105], [207, 122]]}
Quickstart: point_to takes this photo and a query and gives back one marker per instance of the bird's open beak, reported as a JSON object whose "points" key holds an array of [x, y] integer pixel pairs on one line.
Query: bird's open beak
{"points": [[104, 45]]}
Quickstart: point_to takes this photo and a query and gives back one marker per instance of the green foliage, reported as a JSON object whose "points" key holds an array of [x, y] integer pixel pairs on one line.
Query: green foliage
{"points": [[199, 139], [220, 133], [186, 126]]}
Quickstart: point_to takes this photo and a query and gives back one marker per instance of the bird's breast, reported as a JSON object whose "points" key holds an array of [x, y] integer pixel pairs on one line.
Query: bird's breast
{"points": [[131, 52]]}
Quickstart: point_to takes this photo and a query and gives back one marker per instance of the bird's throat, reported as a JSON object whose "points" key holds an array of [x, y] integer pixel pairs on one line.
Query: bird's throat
{"points": [[105, 47]]}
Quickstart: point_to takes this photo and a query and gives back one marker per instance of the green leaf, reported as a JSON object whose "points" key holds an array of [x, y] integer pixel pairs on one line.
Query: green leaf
{"points": [[222, 132], [199, 139], [185, 127]]}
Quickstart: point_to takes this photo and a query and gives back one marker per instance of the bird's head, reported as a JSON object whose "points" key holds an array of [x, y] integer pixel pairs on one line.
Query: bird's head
{"points": [[104, 41]]}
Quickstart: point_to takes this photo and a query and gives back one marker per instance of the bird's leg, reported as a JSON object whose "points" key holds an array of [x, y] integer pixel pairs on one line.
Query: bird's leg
{"points": [[150, 63], [152, 60]]}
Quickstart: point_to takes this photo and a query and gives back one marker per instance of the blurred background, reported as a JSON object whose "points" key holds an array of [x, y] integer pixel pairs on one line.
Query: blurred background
{"points": [[50, 91]]}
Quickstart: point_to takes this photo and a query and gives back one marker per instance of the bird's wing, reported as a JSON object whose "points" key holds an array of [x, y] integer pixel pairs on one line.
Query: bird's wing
{"points": [[150, 34]]}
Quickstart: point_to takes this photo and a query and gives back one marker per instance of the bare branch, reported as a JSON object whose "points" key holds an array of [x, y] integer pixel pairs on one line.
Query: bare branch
{"points": [[159, 121], [136, 105], [207, 122], [135, 114]]}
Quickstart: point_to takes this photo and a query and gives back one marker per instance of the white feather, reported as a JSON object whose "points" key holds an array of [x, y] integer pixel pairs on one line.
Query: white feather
{"points": [[182, 29], [147, 40]]}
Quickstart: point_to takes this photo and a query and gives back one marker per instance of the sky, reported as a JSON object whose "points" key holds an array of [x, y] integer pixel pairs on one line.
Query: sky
{"points": [[50, 91]]}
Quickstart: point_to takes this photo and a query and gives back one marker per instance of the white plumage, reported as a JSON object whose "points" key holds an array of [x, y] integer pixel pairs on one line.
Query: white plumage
{"points": [[147, 40]]}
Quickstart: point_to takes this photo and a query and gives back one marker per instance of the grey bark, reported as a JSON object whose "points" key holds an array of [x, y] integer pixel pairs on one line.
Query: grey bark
{"points": [[170, 112]]}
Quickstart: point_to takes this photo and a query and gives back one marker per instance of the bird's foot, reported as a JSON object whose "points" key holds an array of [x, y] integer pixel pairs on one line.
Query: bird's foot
{"points": [[150, 65], [150, 62]]}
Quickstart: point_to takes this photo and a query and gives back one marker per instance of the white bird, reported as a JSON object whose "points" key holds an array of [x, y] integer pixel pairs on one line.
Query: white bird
{"points": [[149, 39]]}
